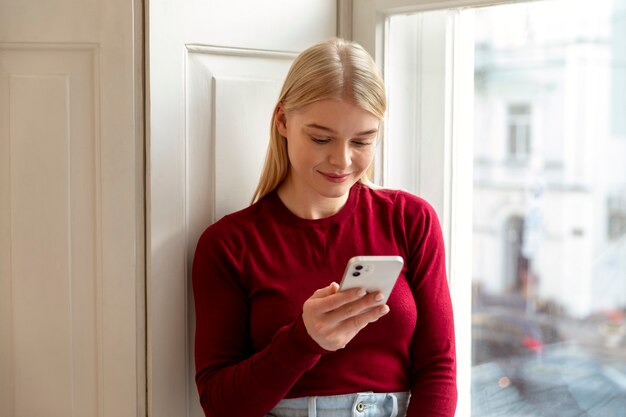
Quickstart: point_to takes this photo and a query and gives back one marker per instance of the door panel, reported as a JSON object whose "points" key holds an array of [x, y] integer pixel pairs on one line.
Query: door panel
{"points": [[230, 97], [71, 211], [215, 72], [50, 326]]}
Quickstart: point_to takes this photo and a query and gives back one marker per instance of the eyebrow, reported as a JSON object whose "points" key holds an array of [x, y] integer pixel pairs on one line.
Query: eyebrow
{"points": [[328, 129]]}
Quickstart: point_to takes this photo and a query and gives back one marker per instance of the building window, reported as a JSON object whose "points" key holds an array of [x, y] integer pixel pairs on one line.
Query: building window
{"points": [[519, 132], [616, 225]]}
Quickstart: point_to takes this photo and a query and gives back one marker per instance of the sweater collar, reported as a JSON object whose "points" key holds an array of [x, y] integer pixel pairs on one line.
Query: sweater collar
{"points": [[284, 215]]}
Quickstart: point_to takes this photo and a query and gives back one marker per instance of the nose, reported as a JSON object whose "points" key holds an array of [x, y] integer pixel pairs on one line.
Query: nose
{"points": [[340, 156]]}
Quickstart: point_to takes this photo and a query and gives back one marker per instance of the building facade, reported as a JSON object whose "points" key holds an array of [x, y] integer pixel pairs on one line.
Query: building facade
{"points": [[550, 155]]}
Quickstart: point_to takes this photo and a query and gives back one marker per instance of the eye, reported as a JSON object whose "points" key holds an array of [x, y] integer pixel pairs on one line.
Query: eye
{"points": [[361, 143], [320, 140]]}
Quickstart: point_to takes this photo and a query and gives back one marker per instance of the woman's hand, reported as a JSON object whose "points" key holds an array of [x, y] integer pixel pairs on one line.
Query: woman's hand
{"points": [[332, 318]]}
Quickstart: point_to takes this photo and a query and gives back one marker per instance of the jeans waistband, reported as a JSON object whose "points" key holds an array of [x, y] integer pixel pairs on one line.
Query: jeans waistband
{"points": [[362, 404]]}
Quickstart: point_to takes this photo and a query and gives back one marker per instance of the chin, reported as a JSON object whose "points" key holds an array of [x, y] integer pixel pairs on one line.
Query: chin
{"points": [[336, 191]]}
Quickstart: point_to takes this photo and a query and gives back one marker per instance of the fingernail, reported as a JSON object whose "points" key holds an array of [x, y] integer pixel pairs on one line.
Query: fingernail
{"points": [[361, 292], [384, 309], [379, 297]]}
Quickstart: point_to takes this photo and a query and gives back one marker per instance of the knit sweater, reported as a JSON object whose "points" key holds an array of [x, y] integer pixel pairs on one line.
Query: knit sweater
{"points": [[254, 269]]}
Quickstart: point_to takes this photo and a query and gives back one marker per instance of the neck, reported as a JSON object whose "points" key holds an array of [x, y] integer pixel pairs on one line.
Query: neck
{"points": [[306, 205]]}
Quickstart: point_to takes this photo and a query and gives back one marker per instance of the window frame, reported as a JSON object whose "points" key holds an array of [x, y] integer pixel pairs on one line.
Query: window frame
{"points": [[445, 146]]}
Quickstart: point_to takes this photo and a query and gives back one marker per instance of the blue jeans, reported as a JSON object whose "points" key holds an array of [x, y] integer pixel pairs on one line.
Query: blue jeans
{"points": [[362, 404]]}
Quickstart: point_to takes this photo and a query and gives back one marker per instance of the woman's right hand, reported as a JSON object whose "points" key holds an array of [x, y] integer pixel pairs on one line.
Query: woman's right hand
{"points": [[332, 317]]}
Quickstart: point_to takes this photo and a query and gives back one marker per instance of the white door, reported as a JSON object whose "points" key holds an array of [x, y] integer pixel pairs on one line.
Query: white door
{"points": [[71, 209], [215, 71]]}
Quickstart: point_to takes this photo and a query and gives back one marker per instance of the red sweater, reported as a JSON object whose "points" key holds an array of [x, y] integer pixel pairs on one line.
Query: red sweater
{"points": [[254, 269]]}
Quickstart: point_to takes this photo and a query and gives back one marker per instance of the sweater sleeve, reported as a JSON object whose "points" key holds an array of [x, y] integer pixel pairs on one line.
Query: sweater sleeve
{"points": [[233, 380], [433, 357]]}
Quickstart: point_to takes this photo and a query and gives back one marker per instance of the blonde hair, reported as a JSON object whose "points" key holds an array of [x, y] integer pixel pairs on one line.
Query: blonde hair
{"points": [[333, 69]]}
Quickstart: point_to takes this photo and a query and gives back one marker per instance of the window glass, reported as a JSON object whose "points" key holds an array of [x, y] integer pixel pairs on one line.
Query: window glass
{"points": [[549, 227]]}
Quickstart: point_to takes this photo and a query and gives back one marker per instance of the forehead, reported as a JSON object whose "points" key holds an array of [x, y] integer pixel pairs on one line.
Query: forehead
{"points": [[338, 115]]}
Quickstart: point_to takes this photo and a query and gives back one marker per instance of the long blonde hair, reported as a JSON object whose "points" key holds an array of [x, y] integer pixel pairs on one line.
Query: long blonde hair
{"points": [[333, 69]]}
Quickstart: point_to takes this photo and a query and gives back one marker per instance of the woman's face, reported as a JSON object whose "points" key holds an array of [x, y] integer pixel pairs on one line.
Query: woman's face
{"points": [[330, 144]]}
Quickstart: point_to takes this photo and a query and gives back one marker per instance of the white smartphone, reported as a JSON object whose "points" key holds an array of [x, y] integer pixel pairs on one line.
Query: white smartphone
{"points": [[374, 273]]}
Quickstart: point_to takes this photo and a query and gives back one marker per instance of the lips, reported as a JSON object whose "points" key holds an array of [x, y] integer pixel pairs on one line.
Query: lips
{"points": [[337, 178]]}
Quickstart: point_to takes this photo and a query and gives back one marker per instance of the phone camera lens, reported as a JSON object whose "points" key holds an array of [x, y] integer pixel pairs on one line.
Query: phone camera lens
{"points": [[356, 274], [358, 267]]}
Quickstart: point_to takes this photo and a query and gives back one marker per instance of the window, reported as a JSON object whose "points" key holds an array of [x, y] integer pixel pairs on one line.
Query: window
{"points": [[616, 217], [472, 93], [518, 138]]}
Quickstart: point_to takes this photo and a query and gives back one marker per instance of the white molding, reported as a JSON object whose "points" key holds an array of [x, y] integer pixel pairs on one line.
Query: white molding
{"points": [[389, 7], [461, 197], [239, 52], [369, 16], [344, 19], [53, 46]]}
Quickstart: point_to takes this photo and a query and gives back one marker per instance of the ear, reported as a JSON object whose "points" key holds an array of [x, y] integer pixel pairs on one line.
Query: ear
{"points": [[280, 119]]}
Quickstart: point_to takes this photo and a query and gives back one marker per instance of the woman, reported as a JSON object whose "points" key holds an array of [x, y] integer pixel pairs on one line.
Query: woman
{"points": [[274, 334]]}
